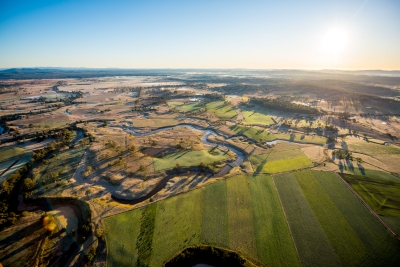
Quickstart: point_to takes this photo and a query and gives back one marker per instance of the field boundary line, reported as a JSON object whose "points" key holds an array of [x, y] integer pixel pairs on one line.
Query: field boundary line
{"points": [[284, 213], [368, 207]]}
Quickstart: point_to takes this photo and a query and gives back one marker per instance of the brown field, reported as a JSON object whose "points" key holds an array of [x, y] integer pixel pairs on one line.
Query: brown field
{"points": [[314, 153], [16, 237], [39, 121], [385, 125], [391, 162], [224, 130], [327, 166], [155, 121]]}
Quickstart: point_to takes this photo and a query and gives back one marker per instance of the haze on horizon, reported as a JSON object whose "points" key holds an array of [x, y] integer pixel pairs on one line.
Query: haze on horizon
{"points": [[356, 34]]}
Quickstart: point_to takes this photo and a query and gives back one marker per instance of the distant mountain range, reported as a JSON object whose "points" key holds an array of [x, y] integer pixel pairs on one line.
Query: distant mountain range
{"points": [[60, 73]]}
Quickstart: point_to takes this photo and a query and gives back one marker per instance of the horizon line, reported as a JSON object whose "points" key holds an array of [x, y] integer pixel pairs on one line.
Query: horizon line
{"points": [[193, 68]]}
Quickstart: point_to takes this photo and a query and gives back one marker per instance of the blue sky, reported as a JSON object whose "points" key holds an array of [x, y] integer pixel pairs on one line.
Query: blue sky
{"points": [[200, 34]]}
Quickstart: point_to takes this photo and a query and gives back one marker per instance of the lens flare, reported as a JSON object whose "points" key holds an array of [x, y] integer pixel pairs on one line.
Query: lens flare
{"points": [[49, 222]]}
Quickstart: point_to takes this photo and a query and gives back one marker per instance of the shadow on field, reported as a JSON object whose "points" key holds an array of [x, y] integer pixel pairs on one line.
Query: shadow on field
{"points": [[17, 236]]}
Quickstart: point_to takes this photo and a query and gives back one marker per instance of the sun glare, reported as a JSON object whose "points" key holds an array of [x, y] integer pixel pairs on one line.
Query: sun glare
{"points": [[335, 40]]}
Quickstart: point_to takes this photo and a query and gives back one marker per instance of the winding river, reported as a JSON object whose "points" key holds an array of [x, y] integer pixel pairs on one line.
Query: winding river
{"points": [[204, 139]]}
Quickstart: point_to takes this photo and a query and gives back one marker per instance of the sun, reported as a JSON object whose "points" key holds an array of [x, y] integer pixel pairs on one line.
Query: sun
{"points": [[335, 40]]}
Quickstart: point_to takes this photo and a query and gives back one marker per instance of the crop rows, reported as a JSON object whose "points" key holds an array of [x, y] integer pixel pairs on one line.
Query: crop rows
{"points": [[274, 243], [306, 218], [311, 242]]}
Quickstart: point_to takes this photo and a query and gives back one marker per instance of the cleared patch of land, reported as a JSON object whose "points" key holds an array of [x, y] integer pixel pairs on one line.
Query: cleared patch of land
{"points": [[314, 153], [257, 134], [43, 121], [301, 138], [154, 122], [181, 106], [286, 165], [280, 161], [189, 158], [370, 148], [391, 161], [256, 118], [222, 110]]}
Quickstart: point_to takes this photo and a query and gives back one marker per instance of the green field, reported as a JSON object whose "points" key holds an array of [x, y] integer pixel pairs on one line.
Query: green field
{"points": [[252, 117], [274, 243], [123, 253], [192, 106], [62, 166], [154, 122], [321, 201], [52, 123], [177, 224], [311, 242], [382, 193], [222, 111], [372, 148], [307, 218], [240, 216], [280, 161], [215, 215], [226, 213], [257, 134], [54, 96], [188, 158], [302, 138]]}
